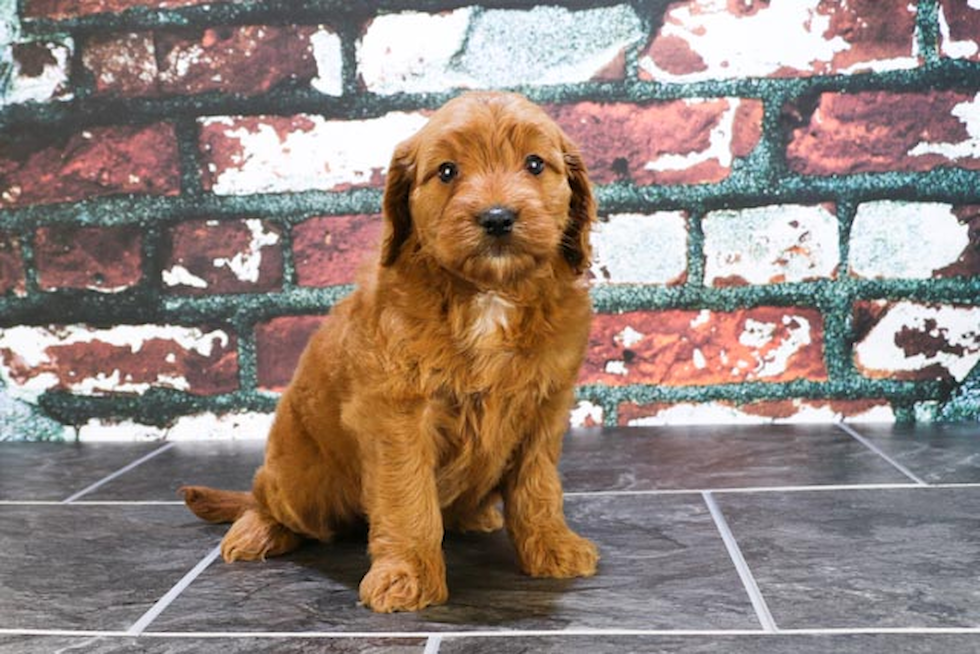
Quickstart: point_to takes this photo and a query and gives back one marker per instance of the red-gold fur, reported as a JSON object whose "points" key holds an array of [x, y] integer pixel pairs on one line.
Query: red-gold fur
{"points": [[442, 385]]}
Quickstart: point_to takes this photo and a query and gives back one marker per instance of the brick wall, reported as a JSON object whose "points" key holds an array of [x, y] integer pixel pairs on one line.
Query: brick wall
{"points": [[789, 191]]}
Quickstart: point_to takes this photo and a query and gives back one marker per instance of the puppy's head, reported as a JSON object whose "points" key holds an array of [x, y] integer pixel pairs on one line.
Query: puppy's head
{"points": [[491, 189]]}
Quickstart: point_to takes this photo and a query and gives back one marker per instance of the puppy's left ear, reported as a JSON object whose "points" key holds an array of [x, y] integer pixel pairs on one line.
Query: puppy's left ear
{"points": [[397, 215], [575, 245]]}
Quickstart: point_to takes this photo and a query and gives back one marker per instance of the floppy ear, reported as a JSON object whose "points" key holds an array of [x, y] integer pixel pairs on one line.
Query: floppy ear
{"points": [[397, 216], [575, 245]]}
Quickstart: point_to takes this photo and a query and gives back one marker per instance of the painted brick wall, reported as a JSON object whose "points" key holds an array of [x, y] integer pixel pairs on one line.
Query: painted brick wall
{"points": [[789, 191]]}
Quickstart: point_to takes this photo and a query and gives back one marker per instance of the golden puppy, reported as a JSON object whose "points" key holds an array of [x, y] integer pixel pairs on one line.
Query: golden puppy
{"points": [[443, 383]]}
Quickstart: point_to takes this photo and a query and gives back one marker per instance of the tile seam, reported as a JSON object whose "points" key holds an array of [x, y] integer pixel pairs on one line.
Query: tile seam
{"points": [[138, 627], [118, 473], [327, 635], [608, 493], [853, 433], [741, 566]]}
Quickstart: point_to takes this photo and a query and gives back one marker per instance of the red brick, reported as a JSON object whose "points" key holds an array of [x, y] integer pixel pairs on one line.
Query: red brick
{"points": [[121, 359], [278, 345], [680, 347], [210, 256], [107, 259], [968, 264], [12, 278], [827, 37], [71, 8], [96, 162], [678, 142], [959, 30], [330, 250], [878, 131], [247, 60], [123, 64]]}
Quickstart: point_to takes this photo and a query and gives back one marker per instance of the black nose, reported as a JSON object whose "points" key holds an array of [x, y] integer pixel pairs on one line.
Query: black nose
{"points": [[497, 220]]}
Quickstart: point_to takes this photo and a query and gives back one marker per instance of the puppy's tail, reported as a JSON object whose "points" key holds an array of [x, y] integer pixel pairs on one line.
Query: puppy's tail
{"points": [[216, 505]]}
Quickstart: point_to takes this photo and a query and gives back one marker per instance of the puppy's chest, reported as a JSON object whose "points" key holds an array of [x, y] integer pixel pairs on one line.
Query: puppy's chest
{"points": [[486, 319]]}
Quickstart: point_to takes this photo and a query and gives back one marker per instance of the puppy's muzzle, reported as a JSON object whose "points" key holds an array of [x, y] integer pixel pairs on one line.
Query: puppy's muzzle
{"points": [[497, 220]]}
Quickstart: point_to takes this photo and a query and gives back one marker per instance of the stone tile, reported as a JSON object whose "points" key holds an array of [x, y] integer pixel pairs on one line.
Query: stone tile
{"points": [[939, 453], [715, 644], [220, 464], [713, 457], [870, 559], [93, 567], [663, 566], [55, 471], [230, 645]]}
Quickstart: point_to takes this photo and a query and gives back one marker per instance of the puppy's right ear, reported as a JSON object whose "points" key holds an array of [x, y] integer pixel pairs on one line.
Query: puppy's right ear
{"points": [[397, 216]]}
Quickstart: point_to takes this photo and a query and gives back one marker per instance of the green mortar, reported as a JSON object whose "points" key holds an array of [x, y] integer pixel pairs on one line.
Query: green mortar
{"points": [[760, 178]]}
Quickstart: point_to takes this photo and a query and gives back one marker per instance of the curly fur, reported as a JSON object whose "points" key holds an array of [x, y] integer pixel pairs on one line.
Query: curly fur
{"points": [[442, 385]]}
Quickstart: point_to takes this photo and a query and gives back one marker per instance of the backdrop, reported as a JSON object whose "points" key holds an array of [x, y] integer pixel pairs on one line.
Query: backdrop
{"points": [[789, 196]]}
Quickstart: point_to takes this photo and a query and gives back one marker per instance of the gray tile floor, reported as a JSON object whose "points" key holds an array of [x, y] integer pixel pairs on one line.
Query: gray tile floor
{"points": [[726, 539]]}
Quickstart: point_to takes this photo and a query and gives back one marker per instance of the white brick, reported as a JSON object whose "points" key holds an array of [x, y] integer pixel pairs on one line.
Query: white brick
{"points": [[329, 62], [50, 84], [322, 155], [640, 249], [777, 36], [950, 47], [29, 362], [586, 414], [912, 337], [801, 411], [474, 48], [905, 239], [765, 245], [196, 427]]}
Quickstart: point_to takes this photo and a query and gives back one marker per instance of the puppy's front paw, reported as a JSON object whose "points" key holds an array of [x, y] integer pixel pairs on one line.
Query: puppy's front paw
{"points": [[391, 586], [559, 556]]}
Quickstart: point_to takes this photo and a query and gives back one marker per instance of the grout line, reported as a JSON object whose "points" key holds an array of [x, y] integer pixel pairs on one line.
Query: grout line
{"points": [[744, 573], [140, 625], [610, 493], [92, 503], [333, 635], [754, 489], [432, 644], [847, 429], [117, 473]]}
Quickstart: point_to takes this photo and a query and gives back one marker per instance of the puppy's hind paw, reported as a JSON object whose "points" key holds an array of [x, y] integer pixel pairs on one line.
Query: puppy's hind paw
{"points": [[486, 520], [255, 536]]}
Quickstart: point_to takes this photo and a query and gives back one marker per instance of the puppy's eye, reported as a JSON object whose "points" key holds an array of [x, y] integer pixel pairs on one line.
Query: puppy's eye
{"points": [[447, 172], [534, 164]]}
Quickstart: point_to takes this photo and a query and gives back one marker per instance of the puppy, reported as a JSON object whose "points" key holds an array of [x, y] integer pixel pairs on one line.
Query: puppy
{"points": [[443, 384]]}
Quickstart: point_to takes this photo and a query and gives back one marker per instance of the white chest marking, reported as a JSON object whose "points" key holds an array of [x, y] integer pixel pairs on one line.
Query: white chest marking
{"points": [[490, 312]]}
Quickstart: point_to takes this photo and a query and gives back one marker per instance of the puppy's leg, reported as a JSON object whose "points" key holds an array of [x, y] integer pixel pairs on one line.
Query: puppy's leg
{"points": [[408, 571], [533, 507]]}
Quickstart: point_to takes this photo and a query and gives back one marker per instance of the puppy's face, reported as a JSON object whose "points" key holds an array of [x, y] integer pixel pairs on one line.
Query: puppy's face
{"points": [[491, 189]]}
